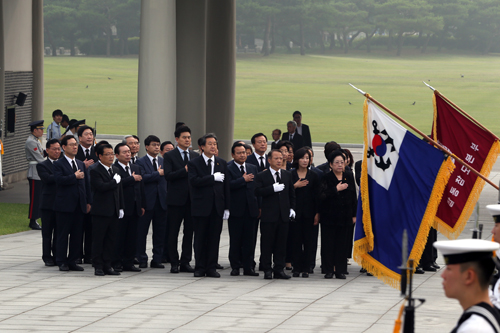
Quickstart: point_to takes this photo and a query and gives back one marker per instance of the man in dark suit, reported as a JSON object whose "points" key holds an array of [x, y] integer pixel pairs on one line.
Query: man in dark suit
{"points": [[86, 154], [275, 186], [259, 157], [209, 189], [178, 201], [46, 174], [155, 187], [245, 211], [72, 201], [133, 143], [135, 203], [293, 136], [106, 210], [302, 129], [276, 138]]}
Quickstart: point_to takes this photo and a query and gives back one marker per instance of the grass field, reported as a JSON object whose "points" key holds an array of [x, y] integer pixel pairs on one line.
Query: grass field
{"points": [[14, 218], [269, 89]]}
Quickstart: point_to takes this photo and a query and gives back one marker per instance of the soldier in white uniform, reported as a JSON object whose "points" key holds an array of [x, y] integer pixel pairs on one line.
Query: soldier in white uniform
{"points": [[34, 155], [469, 266], [495, 283]]}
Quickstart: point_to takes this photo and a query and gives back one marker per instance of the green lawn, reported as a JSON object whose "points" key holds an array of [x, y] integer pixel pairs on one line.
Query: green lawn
{"points": [[269, 89], [14, 218]]}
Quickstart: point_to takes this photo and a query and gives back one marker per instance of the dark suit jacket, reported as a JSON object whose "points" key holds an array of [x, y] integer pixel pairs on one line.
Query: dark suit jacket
{"points": [[154, 184], [205, 190], [325, 167], [275, 205], [177, 177], [242, 192], [357, 171], [46, 174], [306, 197], [275, 144], [337, 208], [108, 195], [71, 192], [253, 160], [80, 155], [298, 141], [306, 136], [133, 192]]}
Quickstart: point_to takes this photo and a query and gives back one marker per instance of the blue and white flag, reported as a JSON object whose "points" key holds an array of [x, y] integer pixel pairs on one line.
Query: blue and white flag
{"points": [[402, 182]]}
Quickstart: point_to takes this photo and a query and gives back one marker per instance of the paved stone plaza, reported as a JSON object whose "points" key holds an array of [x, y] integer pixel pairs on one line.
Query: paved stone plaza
{"points": [[38, 298]]}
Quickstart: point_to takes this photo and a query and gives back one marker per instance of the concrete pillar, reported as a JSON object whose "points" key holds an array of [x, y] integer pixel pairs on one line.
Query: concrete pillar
{"points": [[156, 102], [191, 68], [221, 55], [38, 52]]}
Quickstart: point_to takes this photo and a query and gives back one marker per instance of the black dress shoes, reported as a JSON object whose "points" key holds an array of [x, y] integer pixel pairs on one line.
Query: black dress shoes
{"points": [[99, 272], [429, 268], [49, 263], [362, 270], [281, 275], [250, 273], [340, 276], [154, 264], [111, 271], [118, 269], [213, 274], [78, 261], [296, 274], [329, 276], [268, 275], [199, 274], [419, 270], [63, 268], [217, 266], [186, 268], [131, 269], [305, 275], [435, 265], [235, 272], [174, 269], [143, 264], [75, 267], [34, 225]]}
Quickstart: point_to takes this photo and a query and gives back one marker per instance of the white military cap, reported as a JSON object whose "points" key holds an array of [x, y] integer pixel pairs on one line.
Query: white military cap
{"points": [[495, 212], [466, 250]]}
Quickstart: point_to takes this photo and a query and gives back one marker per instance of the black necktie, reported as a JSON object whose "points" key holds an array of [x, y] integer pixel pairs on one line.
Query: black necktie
{"points": [[87, 156], [126, 170], [278, 179], [242, 169], [132, 160], [185, 157], [209, 163], [262, 163], [154, 164], [74, 166], [110, 172]]}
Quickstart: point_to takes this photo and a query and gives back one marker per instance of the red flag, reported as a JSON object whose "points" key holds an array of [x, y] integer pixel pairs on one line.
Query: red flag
{"points": [[475, 146]]}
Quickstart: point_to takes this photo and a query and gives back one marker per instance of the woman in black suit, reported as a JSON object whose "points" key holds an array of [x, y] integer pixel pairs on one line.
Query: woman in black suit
{"points": [[337, 213], [306, 183]]}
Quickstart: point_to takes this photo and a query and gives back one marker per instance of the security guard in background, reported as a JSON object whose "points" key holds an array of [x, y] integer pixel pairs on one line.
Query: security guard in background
{"points": [[34, 155], [469, 266]]}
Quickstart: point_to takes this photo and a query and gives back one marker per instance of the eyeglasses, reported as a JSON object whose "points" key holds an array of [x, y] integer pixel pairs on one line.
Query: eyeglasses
{"points": [[108, 154]]}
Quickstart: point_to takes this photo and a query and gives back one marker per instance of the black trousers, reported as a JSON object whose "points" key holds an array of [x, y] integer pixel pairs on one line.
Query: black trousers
{"points": [[303, 233], [35, 194], [126, 245], [177, 214], [241, 241], [273, 237], [350, 241], [207, 230], [87, 237], [105, 234], [69, 231], [314, 246], [427, 258], [333, 243], [49, 234], [159, 217]]}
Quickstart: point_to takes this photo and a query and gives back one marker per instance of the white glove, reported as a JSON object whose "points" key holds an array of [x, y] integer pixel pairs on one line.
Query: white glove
{"points": [[120, 216], [117, 178], [226, 214], [292, 213], [219, 177], [278, 187]]}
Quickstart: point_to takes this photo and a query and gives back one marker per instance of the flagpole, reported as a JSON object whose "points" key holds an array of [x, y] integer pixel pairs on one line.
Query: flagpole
{"points": [[463, 112], [437, 145]]}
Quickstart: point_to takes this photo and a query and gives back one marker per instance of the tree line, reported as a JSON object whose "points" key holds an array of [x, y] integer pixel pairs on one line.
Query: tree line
{"points": [[456, 24]]}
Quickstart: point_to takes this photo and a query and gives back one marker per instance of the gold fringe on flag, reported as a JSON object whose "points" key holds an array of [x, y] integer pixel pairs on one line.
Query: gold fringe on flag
{"points": [[454, 232], [367, 219]]}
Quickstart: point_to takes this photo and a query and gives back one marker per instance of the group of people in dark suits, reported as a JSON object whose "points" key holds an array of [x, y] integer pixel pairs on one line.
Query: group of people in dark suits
{"points": [[122, 195]]}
